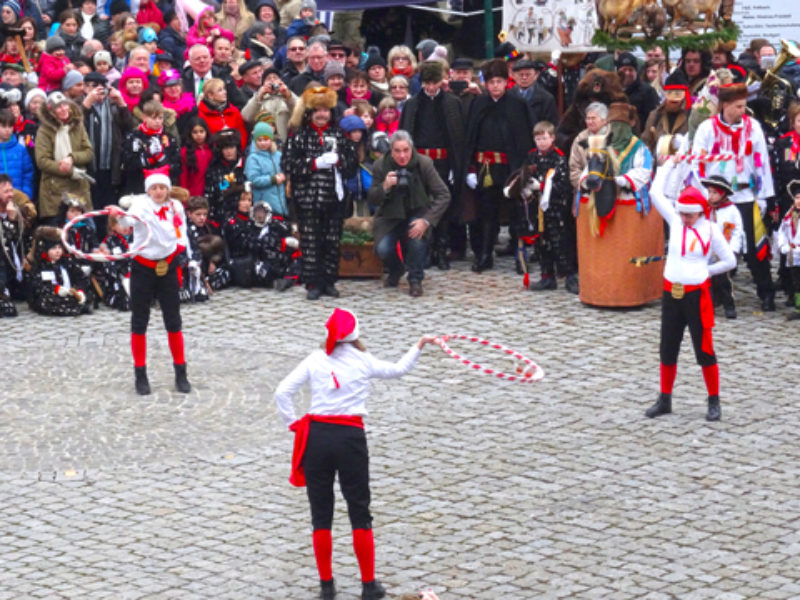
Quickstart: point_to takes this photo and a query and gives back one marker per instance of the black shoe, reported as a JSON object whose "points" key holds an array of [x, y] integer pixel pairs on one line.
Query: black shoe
{"points": [[313, 293], [768, 303], [482, 263], [714, 412], [181, 382], [142, 384], [730, 312], [415, 289], [442, 263], [662, 406], [282, 285], [372, 590], [392, 279], [545, 283], [571, 284], [327, 589], [330, 290]]}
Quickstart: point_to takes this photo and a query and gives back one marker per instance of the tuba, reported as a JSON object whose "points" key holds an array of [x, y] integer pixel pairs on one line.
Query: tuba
{"points": [[776, 91]]}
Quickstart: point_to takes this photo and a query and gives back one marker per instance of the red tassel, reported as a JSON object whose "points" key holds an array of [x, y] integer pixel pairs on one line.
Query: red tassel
{"points": [[335, 381], [526, 281], [748, 148]]}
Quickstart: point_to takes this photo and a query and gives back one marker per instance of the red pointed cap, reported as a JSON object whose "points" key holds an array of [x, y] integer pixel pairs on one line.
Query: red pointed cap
{"points": [[342, 326], [692, 200]]}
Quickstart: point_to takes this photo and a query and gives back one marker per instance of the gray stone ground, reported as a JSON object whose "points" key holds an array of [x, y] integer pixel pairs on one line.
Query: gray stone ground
{"points": [[482, 489]]}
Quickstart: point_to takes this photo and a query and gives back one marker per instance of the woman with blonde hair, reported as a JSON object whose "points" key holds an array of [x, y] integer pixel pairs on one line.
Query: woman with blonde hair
{"points": [[401, 61]]}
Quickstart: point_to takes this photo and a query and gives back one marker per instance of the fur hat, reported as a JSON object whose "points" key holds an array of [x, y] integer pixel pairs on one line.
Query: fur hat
{"points": [[225, 138], [495, 68], [732, 92], [318, 97], [430, 71], [53, 43], [212, 247], [622, 111]]}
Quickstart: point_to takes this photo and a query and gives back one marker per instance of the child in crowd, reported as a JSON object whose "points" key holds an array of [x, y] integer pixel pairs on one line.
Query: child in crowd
{"points": [[551, 212], [275, 250], [195, 156], [104, 65], [789, 244], [206, 243], [57, 283], [358, 185], [149, 146], [366, 112], [15, 161], [224, 172], [53, 64], [114, 277], [725, 214], [388, 119], [263, 170], [238, 235]]}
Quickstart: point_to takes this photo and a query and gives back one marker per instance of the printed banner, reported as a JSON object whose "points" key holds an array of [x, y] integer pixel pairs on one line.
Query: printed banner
{"points": [[547, 25]]}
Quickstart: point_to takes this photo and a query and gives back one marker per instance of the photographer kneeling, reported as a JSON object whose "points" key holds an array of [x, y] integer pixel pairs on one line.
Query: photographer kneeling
{"points": [[411, 198]]}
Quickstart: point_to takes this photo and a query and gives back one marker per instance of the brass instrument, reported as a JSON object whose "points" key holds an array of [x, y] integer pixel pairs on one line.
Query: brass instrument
{"points": [[774, 88]]}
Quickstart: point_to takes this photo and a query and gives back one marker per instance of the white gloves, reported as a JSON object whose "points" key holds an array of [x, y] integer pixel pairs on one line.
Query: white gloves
{"points": [[62, 291], [326, 160], [80, 296], [154, 146], [86, 270], [472, 180], [194, 268], [292, 242], [507, 191], [621, 182]]}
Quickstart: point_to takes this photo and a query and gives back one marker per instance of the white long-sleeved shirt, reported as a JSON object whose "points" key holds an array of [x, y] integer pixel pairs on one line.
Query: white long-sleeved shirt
{"points": [[690, 248], [168, 226], [729, 218], [348, 368], [789, 241]]}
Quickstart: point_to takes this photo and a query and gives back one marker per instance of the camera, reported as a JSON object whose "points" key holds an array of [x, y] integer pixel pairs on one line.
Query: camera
{"points": [[380, 142], [275, 87], [402, 177]]}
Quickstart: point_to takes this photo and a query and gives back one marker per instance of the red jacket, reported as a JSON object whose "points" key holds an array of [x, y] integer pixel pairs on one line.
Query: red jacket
{"points": [[150, 13], [229, 118], [51, 71]]}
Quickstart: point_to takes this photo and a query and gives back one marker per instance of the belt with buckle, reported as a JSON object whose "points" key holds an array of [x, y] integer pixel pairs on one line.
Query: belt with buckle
{"points": [[161, 266]]}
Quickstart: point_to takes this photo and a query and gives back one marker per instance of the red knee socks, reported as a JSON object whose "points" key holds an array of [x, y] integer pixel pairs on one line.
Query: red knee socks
{"points": [[175, 339], [668, 377], [711, 375], [139, 349], [323, 552], [364, 546]]}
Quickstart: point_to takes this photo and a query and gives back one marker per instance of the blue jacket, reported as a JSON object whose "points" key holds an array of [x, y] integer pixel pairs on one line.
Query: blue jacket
{"points": [[16, 163], [260, 168]]}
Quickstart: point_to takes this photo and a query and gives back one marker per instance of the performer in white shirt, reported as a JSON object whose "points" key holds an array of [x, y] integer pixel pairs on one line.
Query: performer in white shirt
{"points": [[154, 273], [330, 439], [693, 241]]}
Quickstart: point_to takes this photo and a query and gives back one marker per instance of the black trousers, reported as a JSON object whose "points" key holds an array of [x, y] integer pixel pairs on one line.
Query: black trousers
{"points": [[147, 286], [676, 316], [341, 449], [722, 290], [320, 233]]}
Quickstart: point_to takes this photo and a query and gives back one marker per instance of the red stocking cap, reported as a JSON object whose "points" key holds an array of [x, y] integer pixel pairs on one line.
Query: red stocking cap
{"points": [[692, 201], [342, 326]]}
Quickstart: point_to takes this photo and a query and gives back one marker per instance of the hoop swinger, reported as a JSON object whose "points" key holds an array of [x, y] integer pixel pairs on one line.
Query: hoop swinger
{"points": [[527, 373]]}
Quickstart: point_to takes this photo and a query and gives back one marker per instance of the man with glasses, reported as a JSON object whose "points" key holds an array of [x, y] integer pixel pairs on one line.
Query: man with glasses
{"points": [[315, 69], [296, 55]]}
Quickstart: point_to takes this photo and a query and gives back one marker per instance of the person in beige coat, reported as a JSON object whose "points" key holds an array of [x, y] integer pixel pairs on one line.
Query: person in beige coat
{"points": [[63, 154], [273, 99]]}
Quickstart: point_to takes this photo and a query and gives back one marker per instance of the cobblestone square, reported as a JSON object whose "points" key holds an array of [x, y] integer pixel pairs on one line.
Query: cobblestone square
{"points": [[482, 489]]}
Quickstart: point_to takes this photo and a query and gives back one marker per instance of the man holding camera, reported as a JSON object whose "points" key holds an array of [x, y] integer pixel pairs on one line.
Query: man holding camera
{"points": [[272, 98], [411, 199], [107, 120]]}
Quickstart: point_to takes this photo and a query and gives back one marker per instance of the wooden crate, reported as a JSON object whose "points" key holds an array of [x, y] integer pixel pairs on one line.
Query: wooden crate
{"points": [[359, 260]]}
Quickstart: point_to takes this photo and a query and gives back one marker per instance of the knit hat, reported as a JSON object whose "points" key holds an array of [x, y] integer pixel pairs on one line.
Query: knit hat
{"points": [[626, 59], [169, 77], [71, 79], [308, 4], [342, 326], [507, 51], [692, 201], [53, 43], [352, 123], [426, 47], [32, 93], [439, 55], [13, 66], [332, 67], [55, 99], [102, 56], [15, 6], [677, 81], [373, 59], [263, 129], [718, 182], [156, 176], [147, 34]]}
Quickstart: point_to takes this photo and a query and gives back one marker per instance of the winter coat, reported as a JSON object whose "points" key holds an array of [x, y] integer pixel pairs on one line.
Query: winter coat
{"points": [[276, 106], [16, 163], [312, 187], [227, 118], [45, 282], [171, 41], [141, 151], [224, 182], [51, 71], [53, 181], [260, 169], [74, 44], [121, 123], [657, 124], [195, 181], [150, 13]]}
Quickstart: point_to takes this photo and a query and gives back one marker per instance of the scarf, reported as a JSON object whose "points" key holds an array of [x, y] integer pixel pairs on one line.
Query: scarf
{"points": [[63, 146], [215, 106], [408, 72], [150, 132]]}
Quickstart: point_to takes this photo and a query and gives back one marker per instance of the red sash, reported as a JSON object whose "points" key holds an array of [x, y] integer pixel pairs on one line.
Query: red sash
{"points": [[301, 427], [706, 311]]}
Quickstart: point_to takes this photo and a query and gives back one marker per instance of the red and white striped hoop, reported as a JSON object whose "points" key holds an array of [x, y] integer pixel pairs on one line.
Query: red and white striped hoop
{"points": [[99, 256], [528, 372], [699, 158]]}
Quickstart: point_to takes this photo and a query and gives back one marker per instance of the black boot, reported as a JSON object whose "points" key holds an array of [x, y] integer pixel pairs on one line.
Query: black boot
{"points": [[327, 589], [372, 590], [485, 259], [768, 300], [440, 244], [142, 384], [714, 412], [662, 406], [181, 382]]}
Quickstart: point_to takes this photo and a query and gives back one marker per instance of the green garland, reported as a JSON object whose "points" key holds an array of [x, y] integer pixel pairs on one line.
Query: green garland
{"points": [[698, 41]]}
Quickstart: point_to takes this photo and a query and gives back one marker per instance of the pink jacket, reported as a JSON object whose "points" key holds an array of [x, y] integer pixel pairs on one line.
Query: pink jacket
{"points": [[193, 37], [51, 71]]}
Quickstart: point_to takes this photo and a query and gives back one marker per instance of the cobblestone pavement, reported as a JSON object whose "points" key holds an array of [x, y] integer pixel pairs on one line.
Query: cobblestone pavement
{"points": [[482, 489]]}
